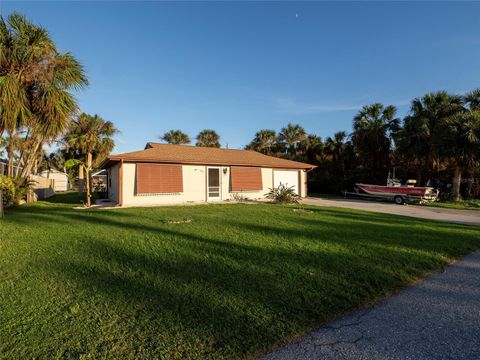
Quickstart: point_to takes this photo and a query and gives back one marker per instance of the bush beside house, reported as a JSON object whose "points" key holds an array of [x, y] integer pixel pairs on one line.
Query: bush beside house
{"points": [[7, 187]]}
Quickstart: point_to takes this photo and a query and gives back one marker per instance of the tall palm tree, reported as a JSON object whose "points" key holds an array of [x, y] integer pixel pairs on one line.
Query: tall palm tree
{"points": [[208, 138], [176, 137], [421, 135], [264, 142], [35, 84], [92, 136], [462, 144], [372, 129], [290, 136]]}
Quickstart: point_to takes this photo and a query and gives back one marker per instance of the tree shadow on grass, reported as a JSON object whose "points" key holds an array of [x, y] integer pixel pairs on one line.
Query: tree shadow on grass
{"points": [[236, 307], [227, 296]]}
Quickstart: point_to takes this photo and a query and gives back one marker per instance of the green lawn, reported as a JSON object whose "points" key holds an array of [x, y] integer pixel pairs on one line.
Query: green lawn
{"points": [[473, 204], [232, 283]]}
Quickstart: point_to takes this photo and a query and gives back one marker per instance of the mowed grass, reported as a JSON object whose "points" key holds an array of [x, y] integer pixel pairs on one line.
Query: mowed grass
{"points": [[473, 204], [232, 283]]}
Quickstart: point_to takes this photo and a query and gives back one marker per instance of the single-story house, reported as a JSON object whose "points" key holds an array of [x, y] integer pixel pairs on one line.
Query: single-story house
{"points": [[168, 174], [60, 179]]}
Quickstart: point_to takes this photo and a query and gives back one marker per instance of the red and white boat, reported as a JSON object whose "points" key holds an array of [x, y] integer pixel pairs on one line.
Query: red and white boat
{"points": [[397, 192]]}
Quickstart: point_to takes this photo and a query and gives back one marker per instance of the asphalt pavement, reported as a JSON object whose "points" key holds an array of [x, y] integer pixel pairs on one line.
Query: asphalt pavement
{"points": [[438, 318], [465, 217]]}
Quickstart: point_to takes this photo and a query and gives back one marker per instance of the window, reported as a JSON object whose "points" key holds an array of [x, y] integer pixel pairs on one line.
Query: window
{"points": [[159, 178], [246, 178]]}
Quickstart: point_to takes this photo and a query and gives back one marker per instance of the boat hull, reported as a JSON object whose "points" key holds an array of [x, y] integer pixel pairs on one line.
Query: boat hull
{"points": [[412, 193]]}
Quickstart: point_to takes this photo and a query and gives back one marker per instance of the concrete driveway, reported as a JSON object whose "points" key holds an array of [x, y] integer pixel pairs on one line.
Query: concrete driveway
{"points": [[436, 319], [465, 217]]}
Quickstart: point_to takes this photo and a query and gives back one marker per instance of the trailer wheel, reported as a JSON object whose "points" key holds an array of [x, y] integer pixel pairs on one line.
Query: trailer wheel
{"points": [[399, 200]]}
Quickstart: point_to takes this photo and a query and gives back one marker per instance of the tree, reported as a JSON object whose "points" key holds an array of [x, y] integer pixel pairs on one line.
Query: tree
{"points": [[419, 140], [263, 142], [35, 84], [92, 136], [472, 99], [310, 148], [335, 146], [208, 138], [372, 128], [461, 143], [176, 137], [290, 136], [12, 144]]}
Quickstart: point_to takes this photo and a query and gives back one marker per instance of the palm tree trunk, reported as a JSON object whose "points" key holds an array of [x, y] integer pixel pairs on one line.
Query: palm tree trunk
{"points": [[10, 164], [87, 178], [81, 179], [31, 159], [20, 163], [22, 154], [457, 179]]}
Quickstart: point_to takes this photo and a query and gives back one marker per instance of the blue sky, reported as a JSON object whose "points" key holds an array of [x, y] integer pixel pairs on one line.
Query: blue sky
{"points": [[241, 67]]}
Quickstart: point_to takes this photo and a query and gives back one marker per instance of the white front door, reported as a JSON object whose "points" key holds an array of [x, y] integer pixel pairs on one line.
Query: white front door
{"points": [[287, 178], [213, 184]]}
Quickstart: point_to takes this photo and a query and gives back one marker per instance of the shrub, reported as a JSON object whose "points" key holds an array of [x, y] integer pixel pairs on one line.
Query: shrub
{"points": [[283, 194], [22, 186], [238, 197], [7, 187]]}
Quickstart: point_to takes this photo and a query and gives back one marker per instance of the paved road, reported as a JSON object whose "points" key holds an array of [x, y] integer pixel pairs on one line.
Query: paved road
{"points": [[436, 319], [466, 217]]}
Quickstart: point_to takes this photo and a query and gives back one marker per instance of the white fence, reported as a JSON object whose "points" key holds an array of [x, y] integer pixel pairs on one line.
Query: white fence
{"points": [[43, 188]]}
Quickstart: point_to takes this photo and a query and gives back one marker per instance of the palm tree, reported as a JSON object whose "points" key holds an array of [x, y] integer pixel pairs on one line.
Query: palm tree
{"points": [[35, 84], [472, 99], [335, 147], [208, 138], [420, 137], [92, 136], [290, 136], [176, 137], [462, 144], [264, 142], [12, 144], [372, 128], [310, 148]]}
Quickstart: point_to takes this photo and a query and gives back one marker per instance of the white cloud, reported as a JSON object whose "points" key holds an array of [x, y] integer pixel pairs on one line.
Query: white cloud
{"points": [[290, 105]]}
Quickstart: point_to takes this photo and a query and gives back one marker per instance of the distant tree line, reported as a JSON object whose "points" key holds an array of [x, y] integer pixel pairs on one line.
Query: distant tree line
{"points": [[437, 143]]}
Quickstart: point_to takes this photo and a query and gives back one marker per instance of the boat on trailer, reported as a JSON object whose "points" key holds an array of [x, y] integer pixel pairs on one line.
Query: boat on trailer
{"points": [[397, 192]]}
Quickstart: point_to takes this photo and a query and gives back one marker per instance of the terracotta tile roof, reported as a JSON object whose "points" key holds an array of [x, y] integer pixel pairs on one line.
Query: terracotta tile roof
{"points": [[183, 154]]}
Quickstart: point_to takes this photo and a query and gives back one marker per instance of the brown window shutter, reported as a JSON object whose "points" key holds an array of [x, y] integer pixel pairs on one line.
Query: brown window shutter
{"points": [[246, 178], [158, 178]]}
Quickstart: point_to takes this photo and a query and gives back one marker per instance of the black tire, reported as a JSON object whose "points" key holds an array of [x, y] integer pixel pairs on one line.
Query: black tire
{"points": [[399, 200]]}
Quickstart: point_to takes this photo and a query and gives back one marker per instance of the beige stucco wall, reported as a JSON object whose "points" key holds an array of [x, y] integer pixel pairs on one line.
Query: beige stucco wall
{"points": [[303, 183], [113, 180], [193, 188]]}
